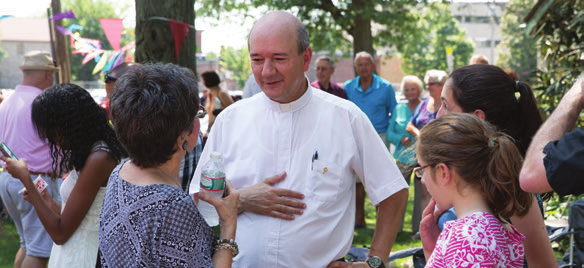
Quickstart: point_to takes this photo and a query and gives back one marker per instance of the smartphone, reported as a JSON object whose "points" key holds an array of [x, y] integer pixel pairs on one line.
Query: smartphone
{"points": [[6, 151]]}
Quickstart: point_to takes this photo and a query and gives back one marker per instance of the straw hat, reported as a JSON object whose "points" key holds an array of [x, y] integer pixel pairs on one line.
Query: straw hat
{"points": [[38, 60]]}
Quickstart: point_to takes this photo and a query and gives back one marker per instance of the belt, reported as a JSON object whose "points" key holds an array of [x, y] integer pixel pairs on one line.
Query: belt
{"points": [[50, 174]]}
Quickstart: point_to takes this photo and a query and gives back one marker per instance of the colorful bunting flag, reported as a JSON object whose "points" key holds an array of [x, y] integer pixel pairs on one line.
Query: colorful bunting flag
{"points": [[179, 32], [91, 55], [92, 49], [64, 15], [99, 66], [74, 27], [63, 30], [5, 16], [129, 54], [113, 31]]}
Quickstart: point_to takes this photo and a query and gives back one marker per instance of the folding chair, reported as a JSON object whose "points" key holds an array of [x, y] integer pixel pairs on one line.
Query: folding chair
{"points": [[360, 254], [575, 255]]}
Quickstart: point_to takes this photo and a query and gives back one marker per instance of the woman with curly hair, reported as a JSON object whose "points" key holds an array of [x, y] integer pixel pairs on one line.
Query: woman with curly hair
{"points": [[84, 144]]}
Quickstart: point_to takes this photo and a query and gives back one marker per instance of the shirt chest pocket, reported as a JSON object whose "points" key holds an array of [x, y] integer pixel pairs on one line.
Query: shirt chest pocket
{"points": [[327, 182]]}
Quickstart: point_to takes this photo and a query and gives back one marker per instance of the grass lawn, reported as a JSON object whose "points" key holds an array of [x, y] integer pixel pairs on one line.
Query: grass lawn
{"points": [[9, 242], [362, 237]]}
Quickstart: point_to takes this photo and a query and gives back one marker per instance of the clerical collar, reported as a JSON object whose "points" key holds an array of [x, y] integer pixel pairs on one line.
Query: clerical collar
{"points": [[294, 105]]}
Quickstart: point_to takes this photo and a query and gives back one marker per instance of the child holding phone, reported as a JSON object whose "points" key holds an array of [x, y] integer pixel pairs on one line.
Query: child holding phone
{"points": [[466, 164], [6, 151], [82, 143]]}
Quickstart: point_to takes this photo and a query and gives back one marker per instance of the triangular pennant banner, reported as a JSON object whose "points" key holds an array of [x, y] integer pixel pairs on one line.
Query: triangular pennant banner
{"points": [[129, 55], [65, 15], [126, 47], [113, 31], [179, 32], [119, 60], [91, 55], [110, 62], [63, 30], [101, 63]]}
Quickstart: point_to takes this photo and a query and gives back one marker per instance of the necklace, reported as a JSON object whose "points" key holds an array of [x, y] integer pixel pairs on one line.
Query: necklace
{"points": [[171, 177]]}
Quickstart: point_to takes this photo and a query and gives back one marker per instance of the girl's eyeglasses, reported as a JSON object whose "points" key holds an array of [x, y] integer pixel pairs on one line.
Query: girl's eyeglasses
{"points": [[419, 171]]}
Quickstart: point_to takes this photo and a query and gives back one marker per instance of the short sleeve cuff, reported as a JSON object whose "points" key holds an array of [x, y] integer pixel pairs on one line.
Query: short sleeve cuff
{"points": [[564, 163]]}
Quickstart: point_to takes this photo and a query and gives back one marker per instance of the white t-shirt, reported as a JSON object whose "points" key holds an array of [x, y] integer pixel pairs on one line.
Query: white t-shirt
{"points": [[259, 138]]}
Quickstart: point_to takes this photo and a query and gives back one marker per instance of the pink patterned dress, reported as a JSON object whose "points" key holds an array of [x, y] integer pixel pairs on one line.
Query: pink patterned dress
{"points": [[478, 240]]}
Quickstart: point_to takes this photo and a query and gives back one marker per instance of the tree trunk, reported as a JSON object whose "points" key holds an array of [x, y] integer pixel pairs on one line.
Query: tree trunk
{"points": [[361, 32], [154, 40], [362, 38]]}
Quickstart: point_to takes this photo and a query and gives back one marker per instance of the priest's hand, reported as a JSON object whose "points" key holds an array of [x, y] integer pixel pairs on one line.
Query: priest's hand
{"points": [[264, 199]]}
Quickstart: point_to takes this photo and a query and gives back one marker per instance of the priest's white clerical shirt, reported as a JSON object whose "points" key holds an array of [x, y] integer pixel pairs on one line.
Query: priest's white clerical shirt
{"points": [[320, 141]]}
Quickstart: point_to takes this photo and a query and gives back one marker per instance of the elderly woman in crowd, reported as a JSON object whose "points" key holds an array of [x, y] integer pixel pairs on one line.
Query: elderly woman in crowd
{"points": [[396, 134], [147, 220], [425, 113]]}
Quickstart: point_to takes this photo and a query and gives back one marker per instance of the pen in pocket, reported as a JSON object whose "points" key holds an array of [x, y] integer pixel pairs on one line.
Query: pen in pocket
{"points": [[314, 157]]}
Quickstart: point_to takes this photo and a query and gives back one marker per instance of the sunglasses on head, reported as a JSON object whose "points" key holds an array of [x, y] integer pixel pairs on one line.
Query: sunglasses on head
{"points": [[202, 112], [108, 78]]}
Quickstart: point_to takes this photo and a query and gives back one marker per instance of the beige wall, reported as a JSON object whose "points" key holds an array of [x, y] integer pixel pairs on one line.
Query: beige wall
{"points": [[10, 75]]}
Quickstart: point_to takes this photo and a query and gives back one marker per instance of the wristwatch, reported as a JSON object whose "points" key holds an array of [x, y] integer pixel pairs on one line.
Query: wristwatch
{"points": [[375, 262]]}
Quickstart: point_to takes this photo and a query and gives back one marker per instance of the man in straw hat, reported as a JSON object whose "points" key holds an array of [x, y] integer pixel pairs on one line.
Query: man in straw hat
{"points": [[17, 131]]}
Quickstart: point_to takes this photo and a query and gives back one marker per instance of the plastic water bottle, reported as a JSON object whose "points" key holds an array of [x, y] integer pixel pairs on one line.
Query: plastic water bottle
{"points": [[212, 183]]}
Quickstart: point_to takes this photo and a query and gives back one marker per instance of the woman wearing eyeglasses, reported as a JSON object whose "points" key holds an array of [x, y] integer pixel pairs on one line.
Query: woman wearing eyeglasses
{"points": [[424, 113], [467, 164], [147, 219]]}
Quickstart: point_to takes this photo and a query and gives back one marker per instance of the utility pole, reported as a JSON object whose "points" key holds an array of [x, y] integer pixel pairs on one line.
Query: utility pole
{"points": [[62, 54]]}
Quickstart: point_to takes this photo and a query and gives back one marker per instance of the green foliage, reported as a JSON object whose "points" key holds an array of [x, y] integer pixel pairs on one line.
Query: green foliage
{"points": [[211, 56], [236, 62], [561, 41], [332, 24], [88, 13], [517, 51], [425, 47]]}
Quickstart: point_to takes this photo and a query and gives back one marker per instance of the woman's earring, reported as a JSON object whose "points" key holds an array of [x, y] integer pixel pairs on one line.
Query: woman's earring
{"points": [[185, 145]]}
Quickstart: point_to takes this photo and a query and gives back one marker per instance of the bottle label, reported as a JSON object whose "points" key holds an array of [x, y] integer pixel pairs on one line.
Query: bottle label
{"points": [[213, 182]]}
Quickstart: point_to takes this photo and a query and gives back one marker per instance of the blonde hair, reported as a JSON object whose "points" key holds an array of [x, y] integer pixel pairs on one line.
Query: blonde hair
{"points": [[412, 79], [436, 75]]}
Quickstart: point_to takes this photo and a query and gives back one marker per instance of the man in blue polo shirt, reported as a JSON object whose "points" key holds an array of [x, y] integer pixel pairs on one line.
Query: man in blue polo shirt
{"points": [[373, 94], [376, 98]]}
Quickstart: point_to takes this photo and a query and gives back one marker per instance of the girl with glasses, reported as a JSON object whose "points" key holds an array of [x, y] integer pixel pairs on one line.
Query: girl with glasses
{"points": [[466, 164]]}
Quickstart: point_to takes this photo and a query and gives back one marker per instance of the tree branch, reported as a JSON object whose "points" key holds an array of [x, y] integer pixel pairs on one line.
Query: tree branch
{"points": [[336, 14]]}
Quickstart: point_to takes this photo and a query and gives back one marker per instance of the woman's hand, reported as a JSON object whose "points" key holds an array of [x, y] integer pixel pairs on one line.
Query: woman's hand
{"points": [[429, 229], [45, 195], [405, 141], [413, 130], [226, 208], [17, 168]]}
